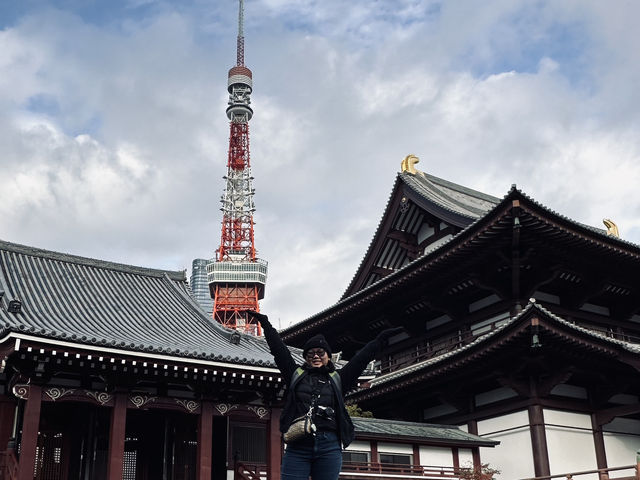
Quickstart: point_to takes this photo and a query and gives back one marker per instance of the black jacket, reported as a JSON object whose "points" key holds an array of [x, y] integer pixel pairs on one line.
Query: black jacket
{"points": [[348, 378]]}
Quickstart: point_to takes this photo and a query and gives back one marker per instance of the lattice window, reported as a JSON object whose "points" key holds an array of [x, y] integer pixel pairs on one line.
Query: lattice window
{"points": [[130, 460]]}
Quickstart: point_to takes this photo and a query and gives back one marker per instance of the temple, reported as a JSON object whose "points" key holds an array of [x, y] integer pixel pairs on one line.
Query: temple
{"points": [[522, 326], [111, 372]]}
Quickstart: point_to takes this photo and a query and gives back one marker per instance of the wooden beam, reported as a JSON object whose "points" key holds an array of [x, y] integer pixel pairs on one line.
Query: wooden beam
{"points": [[274, 445], [607, 415], [30, 427], [117, 429], [205, 442]]}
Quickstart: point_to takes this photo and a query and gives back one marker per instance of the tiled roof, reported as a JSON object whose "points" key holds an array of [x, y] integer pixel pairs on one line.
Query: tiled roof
{"points": [[450, 196], [532, 305], [466, 205], [623, 246], [110, 305], [423, 432]]}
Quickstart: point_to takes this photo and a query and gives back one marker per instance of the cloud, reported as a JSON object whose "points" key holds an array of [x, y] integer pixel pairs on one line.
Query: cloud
{"points": [[113, 137]]}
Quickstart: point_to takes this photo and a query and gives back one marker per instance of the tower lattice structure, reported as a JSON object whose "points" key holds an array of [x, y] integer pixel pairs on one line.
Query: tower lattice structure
{"points": [[236, 276]]}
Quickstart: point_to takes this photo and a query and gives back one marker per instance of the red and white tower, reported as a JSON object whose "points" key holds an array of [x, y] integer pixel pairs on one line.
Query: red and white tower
{"points": [[237, 277]]}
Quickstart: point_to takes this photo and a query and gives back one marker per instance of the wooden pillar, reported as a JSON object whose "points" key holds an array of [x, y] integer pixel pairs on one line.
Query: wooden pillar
{"points": [[205, 442], [29, 440], [538, 441], [7, 416], [117, 431], [416, 458], [274, 445], [456, 458], [416, 455], [598, 442], [375, 457], [472, 427]]}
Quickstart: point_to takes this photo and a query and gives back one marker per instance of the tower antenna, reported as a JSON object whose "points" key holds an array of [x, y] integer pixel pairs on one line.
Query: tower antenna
{"points": [[240, 41], [236, 276]]}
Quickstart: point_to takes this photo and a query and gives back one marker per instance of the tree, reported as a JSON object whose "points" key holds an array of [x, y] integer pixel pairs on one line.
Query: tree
{"points": [[355, 411], [485, 472]]}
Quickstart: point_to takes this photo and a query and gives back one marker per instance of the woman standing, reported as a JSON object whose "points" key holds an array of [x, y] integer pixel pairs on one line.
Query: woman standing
{"points": [[316, 388]]}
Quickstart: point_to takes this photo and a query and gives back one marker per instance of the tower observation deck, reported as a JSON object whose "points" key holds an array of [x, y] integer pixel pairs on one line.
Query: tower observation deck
{"points": [[236, 276]]}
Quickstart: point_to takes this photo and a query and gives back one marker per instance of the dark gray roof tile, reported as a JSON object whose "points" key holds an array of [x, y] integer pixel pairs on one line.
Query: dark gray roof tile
{"points": [[108, 304], [422, 432]]}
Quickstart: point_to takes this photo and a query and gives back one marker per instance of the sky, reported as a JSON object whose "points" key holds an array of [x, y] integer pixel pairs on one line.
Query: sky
{"points": [[113, 133]]}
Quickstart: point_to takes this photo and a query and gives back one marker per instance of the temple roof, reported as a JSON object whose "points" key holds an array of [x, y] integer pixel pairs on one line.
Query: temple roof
{"points": [[541, 226], [448, 195], [425, 433], [67, 298], [414, 197], [487, 344]]}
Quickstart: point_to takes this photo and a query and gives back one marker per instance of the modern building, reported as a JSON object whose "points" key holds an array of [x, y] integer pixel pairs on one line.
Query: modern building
{"points": [[522, 326], [200, 285]]}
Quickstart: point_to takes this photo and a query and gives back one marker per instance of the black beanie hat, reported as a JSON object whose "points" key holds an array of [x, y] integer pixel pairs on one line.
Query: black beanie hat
{"points": [[317, 341]]}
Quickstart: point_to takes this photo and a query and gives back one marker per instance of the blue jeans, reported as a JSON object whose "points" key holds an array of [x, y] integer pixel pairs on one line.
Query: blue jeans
{"points": [[320, 461]]}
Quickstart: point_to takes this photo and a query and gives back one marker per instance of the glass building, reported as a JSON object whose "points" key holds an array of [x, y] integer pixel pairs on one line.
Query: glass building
{"points": [[200, 285]]}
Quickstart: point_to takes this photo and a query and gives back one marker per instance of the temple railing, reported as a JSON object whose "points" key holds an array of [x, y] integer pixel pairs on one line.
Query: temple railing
{"points": [[354, 470], [459, 339], [603, 474], [424, 352], [8, 465]]}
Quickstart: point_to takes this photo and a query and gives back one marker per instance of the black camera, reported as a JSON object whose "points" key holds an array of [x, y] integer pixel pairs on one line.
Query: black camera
{"points": [[326, 412]]}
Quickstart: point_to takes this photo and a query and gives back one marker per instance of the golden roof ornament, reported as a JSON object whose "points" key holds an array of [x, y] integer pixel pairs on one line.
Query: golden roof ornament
{"points": [[408, 164], [612, 228]]}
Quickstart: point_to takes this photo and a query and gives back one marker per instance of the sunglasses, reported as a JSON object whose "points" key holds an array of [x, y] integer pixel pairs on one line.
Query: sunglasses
{"points": [[315, 353]]}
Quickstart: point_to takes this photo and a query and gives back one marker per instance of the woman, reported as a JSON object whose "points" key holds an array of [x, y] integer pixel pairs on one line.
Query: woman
{"points": [[317, 387]]}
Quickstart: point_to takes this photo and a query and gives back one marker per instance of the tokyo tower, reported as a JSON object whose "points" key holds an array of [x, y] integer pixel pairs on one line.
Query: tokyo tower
{"points": [[236, 276]]}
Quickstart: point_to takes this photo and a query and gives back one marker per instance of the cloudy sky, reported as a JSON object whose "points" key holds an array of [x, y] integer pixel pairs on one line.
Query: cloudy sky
{"points": [[113, 136]]}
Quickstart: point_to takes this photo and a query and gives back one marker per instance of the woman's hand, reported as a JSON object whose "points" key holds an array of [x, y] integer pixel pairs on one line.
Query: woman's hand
{"points": [[261, 317], [384, 336]]}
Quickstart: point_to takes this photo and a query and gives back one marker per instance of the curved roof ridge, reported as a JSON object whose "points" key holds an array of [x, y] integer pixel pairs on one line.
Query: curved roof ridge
{"points": [[178, 275]]}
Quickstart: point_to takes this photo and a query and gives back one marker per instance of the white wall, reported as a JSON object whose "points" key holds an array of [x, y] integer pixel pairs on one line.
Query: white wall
{"points": [[359, 446], [395, 448], [621, 443], [513, 457], [571, 449], [436, 456], [465, 456]]}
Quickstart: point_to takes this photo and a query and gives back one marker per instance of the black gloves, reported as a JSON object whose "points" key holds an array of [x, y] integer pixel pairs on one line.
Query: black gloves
{"points": [[261, 317], [384, 335]]}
